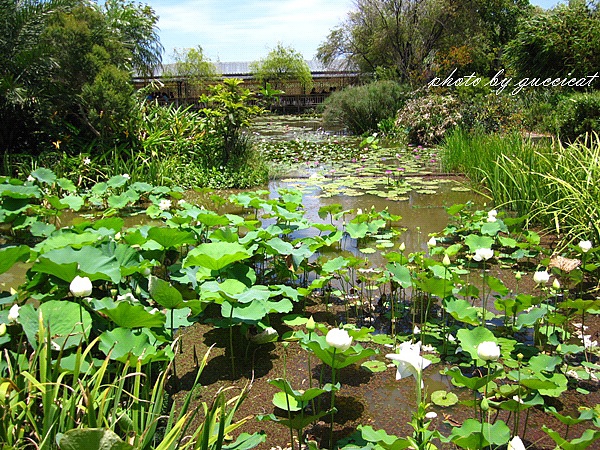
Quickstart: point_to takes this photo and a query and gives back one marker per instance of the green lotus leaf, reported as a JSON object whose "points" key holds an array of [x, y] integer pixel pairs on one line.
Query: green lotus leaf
{"points": [[123, 344], [400, 274], [126, 315], [44, 175], [120, 201], [117, 181], [68, 323], [216, 255], [335, 264], [357, 230], [444, 398], [19, 191], [288, 403], [66, 185], [374, 366], [580, 443], [92, 261], [475, 242], [171, 237], [164, 294], [470, 339], [472, 434], [67, 238], [10, 255], [75, 202]]}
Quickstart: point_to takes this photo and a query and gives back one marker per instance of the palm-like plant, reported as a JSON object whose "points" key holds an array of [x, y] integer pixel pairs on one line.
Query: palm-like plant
{"points": [[24, 64]]}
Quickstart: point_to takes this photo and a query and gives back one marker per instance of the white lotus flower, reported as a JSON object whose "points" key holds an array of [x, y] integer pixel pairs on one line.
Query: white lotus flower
{"points": [[339, 339], [431, 415], [164, 204], [269, 334], [541, 276], [483, 254], [431, 242], [492, 215], [516, 444], [13, 313], [585, 246], [488, 351], [81, 286], [410, 361]]}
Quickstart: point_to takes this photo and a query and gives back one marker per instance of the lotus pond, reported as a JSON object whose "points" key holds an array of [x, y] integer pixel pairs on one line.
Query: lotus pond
{"points": [[209, 324]]}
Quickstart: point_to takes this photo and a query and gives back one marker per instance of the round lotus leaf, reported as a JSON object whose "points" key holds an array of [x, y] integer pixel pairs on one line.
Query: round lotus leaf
{"points": [[443, 398]]}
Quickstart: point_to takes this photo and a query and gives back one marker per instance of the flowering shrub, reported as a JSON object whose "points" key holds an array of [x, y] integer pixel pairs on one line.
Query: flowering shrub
{"points": [[427, 119]]}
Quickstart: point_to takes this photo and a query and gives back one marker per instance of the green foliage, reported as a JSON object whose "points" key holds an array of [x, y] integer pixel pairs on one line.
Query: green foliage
{"points": [[282, 64], [229, 112], [490, 113], [192, 64], [561, 42], [406, 40], [360, 109], [428, 119], [66, 68], [551, 184], [577, 115]]}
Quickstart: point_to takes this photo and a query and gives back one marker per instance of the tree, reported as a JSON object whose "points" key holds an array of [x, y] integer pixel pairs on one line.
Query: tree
{"points": [[192, 65], [561, 42], [280, 65], [24, 68], [413, 37], [65, 69], [135, 25]]}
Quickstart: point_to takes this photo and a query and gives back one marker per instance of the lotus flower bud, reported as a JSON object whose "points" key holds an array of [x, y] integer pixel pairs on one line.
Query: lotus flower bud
{"points": [[431, 242], [488, 351], [485, 405], [541, 277], [13, 314], [402, 247], [556, 284], [339, 339], [310, 324], [446, 261], [81, 286], [2, 329]]}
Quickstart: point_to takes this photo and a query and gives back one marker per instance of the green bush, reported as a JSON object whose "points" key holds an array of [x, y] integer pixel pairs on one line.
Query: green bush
{"points": [[360, 109], [577, 115], [490, 113], [427, 119]]}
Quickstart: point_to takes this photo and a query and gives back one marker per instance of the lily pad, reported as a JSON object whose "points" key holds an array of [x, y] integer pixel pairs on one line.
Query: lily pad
{"points": [[443, 398]]}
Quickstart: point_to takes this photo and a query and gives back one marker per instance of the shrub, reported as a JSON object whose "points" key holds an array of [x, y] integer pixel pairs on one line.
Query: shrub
{"points": [[360, 109], [427, 119], [491, 113], [577, 115]]}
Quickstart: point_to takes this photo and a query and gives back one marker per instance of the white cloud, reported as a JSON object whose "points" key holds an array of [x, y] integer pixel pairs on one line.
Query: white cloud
{"points": [[246, 30]]}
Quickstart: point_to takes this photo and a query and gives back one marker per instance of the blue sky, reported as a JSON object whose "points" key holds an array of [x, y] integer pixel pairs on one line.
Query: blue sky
{"points": [[245, 30]]}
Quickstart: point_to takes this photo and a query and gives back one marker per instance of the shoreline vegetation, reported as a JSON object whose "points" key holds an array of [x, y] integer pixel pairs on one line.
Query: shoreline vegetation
{"points": [[157, 302]]}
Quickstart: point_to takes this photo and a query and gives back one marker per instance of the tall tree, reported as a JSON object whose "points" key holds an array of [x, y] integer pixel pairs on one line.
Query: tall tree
{"points": [[558, 42], [280, 65], [412, 36], [66, 66], [24, 67], [136, 27]]}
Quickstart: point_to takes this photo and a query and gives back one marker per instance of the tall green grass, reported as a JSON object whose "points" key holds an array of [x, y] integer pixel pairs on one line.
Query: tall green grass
{"points": [[554, 185]]}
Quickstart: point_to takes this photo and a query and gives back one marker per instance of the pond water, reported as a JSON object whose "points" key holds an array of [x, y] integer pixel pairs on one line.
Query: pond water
{"points": [[405, 180]]}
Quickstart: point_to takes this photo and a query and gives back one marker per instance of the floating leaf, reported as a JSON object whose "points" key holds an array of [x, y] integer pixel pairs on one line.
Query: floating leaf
{"points": [[443, 398]]}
